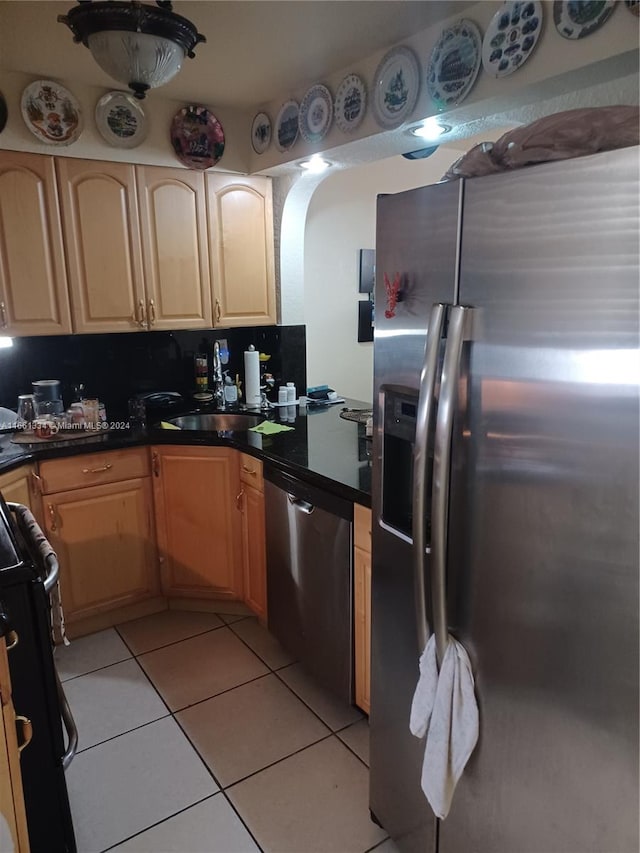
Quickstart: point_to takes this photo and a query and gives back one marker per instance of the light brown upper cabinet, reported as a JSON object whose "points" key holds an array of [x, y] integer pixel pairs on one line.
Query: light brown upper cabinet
{"points": [[102, 237], [33, 283], [173, 220], [241, 245]]}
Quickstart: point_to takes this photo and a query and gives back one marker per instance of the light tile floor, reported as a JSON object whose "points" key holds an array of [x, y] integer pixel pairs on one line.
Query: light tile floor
{"points": [[200, 734]]}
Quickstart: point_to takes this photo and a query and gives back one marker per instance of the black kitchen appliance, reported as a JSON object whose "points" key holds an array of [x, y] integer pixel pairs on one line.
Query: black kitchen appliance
{"points": [[28, 572]]}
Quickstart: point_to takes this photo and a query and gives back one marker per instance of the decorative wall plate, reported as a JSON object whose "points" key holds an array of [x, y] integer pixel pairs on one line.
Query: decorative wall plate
{"points": [[121, 120], [197, 137], [261, 133], [511, 36], [316, 113], [350, 103], [454, 63], [51, 112], [633, 6], [4, 113], [576, 20], [287, 125], [395, 87]]}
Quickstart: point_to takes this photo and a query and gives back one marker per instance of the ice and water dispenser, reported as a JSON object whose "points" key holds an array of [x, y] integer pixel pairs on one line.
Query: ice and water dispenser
{"points": [[400, 412]]}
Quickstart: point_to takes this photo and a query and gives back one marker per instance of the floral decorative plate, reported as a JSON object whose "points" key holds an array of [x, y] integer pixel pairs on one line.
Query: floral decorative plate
{"points": [[261, 133], [395, 87], [351, 103], [511, 36], [197, 137], [454, 64], [576, 20], [121, 120], [51, 112], [287, 125], [316, 113]]}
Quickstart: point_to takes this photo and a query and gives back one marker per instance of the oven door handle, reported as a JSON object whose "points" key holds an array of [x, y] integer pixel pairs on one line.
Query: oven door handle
{"points": [[32, 532], [69, 724]]}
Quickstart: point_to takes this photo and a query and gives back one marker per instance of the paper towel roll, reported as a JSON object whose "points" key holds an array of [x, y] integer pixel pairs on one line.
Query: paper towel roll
{"points": [[252, 377]]}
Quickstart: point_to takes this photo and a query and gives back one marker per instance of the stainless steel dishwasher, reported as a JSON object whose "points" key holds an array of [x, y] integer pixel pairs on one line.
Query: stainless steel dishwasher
{"points": [[309, 577]]}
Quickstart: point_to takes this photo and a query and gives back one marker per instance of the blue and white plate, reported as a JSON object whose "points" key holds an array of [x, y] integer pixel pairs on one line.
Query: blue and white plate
{"points": [[121, 120], [454, 64], [287, 125], [576, 20], [395, 87], [351, 103], [261, 133], [511, 36], [316, 113]]}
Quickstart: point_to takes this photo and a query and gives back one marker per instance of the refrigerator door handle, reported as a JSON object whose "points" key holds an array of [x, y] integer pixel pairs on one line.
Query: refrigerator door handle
{"points": [[441, 475], [424, 419]]}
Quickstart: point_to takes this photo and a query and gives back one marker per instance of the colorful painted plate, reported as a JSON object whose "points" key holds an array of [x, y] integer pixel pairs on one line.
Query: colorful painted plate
{"points": [[287, 125], [197, 137], [316, 113], [351, 103], [121, 120], [395, 87], [261, 133], [51, 112], [454, 64], [511, 36], [576, 20]]}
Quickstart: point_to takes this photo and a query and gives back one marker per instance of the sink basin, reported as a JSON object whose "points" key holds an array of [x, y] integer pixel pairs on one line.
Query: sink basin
{"points": [[217, 421]]}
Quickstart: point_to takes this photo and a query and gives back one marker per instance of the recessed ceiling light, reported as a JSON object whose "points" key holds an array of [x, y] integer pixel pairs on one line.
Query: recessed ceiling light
{"points": [[431, 128], [316, 164], [5, 342]]}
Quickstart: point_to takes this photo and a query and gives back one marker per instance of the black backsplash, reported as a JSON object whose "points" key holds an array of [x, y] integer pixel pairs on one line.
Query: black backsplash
{"points": [[116, 366]]}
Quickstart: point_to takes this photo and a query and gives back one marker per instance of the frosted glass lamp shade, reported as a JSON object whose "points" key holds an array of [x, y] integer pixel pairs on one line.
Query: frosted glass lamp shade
{"points": [[139, 60]]}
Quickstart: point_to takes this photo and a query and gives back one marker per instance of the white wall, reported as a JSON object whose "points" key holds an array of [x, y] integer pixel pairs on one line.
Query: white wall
{"points": [[341, 220]]}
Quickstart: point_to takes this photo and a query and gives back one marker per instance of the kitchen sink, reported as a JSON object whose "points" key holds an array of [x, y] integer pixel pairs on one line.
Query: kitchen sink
{"points": [[217, 421]]}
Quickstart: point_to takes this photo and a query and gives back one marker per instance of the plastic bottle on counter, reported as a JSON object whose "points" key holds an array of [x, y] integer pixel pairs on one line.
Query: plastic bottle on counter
{"points": [[282, 394], [291, 392], [230, 390]]}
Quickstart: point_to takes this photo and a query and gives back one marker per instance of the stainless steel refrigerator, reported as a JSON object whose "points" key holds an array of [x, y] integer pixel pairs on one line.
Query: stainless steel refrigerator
{"points": [[505, 501]]}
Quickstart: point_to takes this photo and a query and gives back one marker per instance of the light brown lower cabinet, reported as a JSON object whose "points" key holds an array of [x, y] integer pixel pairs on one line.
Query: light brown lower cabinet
{"points": [[362, 604], [253, 536], [11, 795], [17, 486], [104, 538], [198, 504]]}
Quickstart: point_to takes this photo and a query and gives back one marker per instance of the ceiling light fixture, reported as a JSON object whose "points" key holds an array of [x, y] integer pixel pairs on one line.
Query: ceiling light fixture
{"points": [[316, 164], [137, 44], [430, 129]]}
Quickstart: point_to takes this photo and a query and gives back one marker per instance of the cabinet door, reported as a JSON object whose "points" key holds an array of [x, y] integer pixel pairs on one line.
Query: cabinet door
{"points": [[33, 282], [102, 235], [241, 245], [11, 792], [174, 246], [103, 536], [198, 519], [19, 487], [254, 551], [362, 627]]}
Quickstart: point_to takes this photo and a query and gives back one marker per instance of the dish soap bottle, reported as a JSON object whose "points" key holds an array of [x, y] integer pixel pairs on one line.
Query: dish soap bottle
{"points": [[230, 389]]}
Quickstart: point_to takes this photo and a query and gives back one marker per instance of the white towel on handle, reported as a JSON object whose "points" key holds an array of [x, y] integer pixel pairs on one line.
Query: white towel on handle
{"points": [[445, 709]]}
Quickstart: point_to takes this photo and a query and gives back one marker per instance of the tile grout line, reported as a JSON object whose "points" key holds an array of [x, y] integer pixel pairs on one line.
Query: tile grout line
{"points": [[120, 734], [306, 704], [173, 642], [97, 669], [251, 649]]}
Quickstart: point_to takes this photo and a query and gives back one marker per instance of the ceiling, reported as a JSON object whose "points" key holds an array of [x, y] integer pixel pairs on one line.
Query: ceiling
{"points": [[256, 50]]}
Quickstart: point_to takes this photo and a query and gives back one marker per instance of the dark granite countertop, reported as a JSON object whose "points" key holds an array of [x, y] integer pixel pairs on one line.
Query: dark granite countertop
{"points": [[323, 448]]}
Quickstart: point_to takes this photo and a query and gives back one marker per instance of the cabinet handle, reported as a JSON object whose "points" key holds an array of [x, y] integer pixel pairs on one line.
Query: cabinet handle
{"points": [[52, 516], [239, 497], [139, 315], [218, 311], [251, 471], [12, 640], [27, 731], [152, 312], [3, 316], [155, 464], [36, 483], [105, 467]]}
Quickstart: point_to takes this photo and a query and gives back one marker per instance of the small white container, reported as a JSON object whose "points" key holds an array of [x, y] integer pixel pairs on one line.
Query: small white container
{"points": [[282, 394], [291, 392]]}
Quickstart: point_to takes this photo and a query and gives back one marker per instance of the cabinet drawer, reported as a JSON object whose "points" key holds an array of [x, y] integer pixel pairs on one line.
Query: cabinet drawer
{"points": [[362, 527], [92, 469], [251, 471]]}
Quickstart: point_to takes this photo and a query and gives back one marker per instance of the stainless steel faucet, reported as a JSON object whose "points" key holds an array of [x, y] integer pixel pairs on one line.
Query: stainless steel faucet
{"points": [[218, 381]]}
